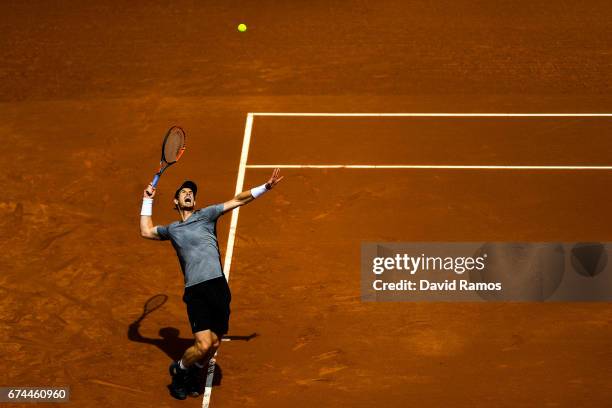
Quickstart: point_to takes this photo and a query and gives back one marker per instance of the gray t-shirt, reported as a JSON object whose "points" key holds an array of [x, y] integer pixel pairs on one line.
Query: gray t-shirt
{"points": [[195, 242]]}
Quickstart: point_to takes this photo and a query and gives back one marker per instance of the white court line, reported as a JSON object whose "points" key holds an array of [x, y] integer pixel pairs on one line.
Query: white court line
{"points": [[425, 114], [246, 141], [420, 166], [227, 264], [245, 152]]}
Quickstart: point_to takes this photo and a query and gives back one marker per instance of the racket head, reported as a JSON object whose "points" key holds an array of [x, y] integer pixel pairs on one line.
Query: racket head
{"points": [[154, 303], [174, 145]]}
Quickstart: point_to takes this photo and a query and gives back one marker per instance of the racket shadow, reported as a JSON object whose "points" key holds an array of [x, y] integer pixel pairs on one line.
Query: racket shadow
{"points": [[173, 346], [169, 341]]}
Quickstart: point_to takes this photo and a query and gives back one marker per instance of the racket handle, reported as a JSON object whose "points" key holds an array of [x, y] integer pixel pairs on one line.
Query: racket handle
{"points": [[155, 180]]}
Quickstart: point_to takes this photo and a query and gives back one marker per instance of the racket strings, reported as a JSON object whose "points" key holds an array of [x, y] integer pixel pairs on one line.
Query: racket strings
{"points": [[174, 145]]}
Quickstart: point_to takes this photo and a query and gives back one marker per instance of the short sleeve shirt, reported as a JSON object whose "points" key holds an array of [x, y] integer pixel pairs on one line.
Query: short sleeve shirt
{"points": [[195, 242]]}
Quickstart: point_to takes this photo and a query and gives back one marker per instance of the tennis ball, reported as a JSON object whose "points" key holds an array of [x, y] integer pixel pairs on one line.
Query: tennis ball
{"points": [[242, 27]]}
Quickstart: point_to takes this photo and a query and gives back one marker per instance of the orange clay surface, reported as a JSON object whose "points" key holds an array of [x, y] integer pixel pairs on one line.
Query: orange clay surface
{"points": [[88, 89]]}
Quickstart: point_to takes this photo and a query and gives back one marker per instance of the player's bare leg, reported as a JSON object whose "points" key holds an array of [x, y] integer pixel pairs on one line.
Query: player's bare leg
{"points": [[207, 342], [188, 371], [205, 346]]}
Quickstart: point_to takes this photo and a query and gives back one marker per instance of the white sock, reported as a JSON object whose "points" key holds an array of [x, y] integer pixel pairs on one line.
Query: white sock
{"points": [[181, 365]]}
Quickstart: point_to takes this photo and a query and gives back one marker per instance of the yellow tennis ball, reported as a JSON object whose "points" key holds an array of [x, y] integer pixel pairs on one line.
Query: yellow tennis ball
{"points": [[242, 27]]}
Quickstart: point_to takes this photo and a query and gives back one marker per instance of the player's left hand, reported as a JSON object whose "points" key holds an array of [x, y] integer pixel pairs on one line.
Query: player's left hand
{"points": [[274, 179]]}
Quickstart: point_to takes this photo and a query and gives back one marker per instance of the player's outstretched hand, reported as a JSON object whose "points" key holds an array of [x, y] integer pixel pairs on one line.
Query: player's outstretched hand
{"points": [[149, 192], [274, 179]]}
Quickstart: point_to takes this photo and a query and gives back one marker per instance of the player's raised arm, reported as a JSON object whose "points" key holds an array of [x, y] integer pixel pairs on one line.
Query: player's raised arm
{"points": [[247, 196], [147, 229]]}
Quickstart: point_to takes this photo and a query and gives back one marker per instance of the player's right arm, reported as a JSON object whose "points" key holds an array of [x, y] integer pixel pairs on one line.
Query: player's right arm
{"points": [[147, 229]]}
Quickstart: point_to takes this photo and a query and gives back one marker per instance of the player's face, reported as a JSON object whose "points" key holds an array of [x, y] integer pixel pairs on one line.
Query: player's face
{"points": [[186, 199]]}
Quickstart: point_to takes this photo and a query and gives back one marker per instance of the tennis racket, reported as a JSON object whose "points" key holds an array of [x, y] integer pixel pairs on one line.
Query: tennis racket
{"points": [[172, 150]]}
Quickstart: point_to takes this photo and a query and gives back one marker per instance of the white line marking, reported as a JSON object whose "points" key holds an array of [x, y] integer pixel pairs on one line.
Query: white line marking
{"points": [[210, 372], [245, 153], [424, 114], [418, 166], [246, 141]]}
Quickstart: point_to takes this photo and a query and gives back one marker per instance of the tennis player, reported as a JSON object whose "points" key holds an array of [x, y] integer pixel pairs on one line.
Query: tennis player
{"points": [[207, 295]]}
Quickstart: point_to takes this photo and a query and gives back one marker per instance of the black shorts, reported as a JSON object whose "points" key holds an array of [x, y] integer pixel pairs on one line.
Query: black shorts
{"points": [[208, 306]]}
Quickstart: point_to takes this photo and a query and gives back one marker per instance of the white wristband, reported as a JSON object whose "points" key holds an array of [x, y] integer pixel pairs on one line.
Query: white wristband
{"points": [[257, 191], [147, 207]]}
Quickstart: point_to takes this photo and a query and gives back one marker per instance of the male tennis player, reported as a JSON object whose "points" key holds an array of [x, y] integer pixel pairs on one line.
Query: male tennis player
{"points": [[207, 294]]}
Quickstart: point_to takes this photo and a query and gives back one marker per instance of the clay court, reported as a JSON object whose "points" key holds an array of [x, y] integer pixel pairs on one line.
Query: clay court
{"points": [[88, 90]]}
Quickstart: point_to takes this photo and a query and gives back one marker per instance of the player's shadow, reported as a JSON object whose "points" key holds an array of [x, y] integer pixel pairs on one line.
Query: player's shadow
{"points": [[170, 342]]}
